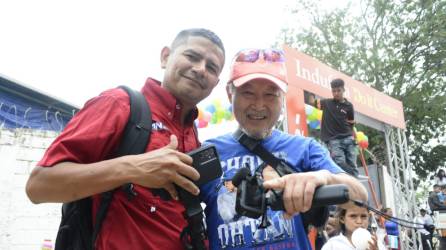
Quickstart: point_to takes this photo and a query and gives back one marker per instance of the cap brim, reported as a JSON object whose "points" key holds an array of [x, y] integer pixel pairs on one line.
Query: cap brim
{"points": [[244, 79]]}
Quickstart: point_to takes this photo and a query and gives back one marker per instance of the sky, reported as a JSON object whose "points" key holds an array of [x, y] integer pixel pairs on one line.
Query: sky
{"points": [[73, 50]]}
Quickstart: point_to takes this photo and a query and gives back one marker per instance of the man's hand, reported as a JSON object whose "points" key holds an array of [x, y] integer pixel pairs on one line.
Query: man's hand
{"points": [[298, 189], [164, 167]]}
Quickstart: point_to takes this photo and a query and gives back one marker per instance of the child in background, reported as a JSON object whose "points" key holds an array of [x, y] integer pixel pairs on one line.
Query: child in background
{"points": [[349, 220]]}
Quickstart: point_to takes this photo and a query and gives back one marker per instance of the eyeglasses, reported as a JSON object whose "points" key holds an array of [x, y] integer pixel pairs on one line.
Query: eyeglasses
{"points": [[252, 55]]}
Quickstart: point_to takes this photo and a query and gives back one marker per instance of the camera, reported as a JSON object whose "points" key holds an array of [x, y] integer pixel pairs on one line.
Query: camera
{"points": [[253, 200], [207, 163]]}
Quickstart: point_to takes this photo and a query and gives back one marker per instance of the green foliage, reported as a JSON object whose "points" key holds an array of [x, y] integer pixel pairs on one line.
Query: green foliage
{"points": [[397, 47]]}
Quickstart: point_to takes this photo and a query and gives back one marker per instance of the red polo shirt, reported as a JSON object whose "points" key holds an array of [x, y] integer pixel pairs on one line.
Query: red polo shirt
{"points": [[93, 134]]}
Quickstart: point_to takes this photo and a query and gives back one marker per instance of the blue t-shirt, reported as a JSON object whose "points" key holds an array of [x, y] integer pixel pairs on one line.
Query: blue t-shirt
{"points": [[391, 228], [226, 229], [441, 197]]}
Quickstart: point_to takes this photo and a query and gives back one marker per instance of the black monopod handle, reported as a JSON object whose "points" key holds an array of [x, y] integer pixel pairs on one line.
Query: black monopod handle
{"points": [[323, 196]]}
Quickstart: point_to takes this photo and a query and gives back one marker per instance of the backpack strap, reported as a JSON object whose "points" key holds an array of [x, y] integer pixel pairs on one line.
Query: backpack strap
{"points": [[136, 134], [104, 204], [135, 138]]}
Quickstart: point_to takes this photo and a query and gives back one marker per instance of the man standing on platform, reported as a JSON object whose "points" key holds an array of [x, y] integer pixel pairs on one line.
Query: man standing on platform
{"points": [[337, 127]]}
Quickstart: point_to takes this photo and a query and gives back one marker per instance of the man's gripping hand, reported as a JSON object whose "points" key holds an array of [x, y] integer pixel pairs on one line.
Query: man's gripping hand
{"points": [[298, 189], [164, 167]]}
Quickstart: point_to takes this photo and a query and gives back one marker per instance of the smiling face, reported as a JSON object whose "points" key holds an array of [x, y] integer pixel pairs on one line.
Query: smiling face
{"points": [[257, 106], [355, 217], [192, 69]]}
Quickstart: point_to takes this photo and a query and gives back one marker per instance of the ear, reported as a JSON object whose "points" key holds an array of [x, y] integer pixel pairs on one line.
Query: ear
{"points": [[229, 92], [341, 220], [165, 53]]}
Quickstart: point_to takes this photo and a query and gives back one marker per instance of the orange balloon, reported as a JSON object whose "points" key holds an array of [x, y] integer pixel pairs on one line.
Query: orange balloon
{"points": [[200, 114], [363, 144]]}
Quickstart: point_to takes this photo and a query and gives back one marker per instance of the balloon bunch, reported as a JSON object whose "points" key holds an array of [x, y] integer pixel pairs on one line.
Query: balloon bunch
{"points": [[314, 116], [362, 139], [213, 113]]}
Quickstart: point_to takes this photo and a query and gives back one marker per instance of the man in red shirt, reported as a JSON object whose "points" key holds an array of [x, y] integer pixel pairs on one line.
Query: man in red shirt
{"points": [[80, 162]]}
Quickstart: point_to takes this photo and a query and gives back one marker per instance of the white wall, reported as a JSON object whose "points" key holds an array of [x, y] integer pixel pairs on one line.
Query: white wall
{"points": [[388, 188], [23, 225]]}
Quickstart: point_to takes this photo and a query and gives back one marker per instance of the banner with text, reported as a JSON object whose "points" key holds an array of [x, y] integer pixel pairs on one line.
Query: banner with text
{"points": [[307, 73], [296, 117]]}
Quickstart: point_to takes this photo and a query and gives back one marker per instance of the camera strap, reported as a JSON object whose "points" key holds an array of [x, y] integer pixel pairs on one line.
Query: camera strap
{"points": [[315, 216], [256, 147], [194, 234]]}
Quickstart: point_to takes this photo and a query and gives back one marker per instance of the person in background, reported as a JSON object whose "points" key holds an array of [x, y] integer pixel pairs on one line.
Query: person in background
{"points": [[330, 229], [256, 90], [349, 220], [435, 199], [377, 227], [309, 98], [442, 195], [391, 230], [440, 178], [81, 162], [338, 118], [427, 230]]}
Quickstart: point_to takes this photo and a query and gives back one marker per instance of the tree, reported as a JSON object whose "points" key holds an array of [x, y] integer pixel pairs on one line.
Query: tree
{"points": [[396, 47]]}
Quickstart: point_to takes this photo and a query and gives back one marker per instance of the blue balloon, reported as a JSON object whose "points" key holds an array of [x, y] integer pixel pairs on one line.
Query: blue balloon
{"points": [[230, 108], [314, 124], [210, 108]]}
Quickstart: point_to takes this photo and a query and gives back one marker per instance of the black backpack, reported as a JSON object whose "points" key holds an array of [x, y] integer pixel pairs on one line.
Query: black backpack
{"points": [[76, 231]]}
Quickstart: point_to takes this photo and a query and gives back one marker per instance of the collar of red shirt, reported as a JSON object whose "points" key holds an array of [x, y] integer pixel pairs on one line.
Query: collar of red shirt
{"points": [[153, 90]]}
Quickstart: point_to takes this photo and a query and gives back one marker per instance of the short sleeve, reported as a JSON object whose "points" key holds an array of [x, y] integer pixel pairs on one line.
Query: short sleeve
{"points": [[351, 114], [93, 133]]}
